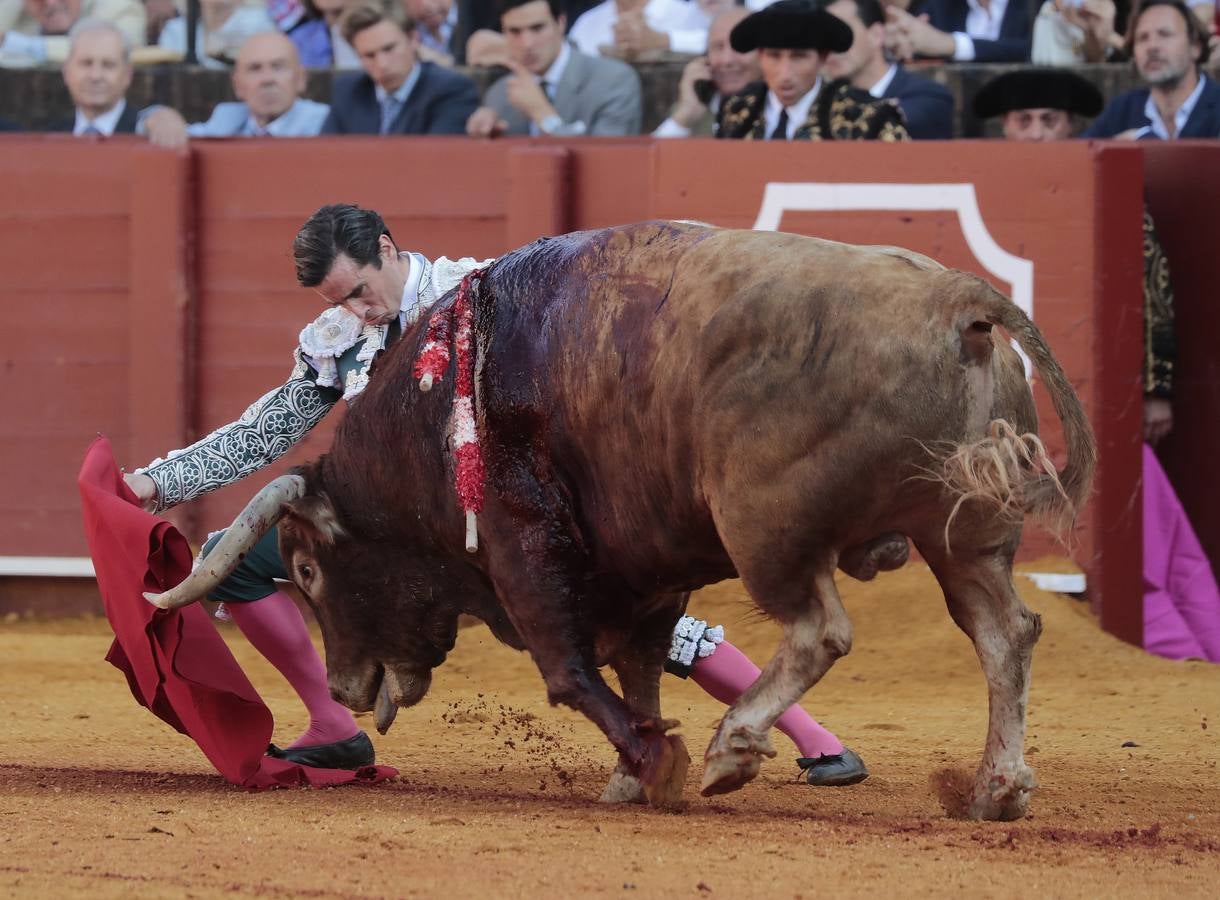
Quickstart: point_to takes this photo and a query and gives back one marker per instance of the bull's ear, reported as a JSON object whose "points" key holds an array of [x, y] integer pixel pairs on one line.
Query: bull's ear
{"points": [[312, 518]]}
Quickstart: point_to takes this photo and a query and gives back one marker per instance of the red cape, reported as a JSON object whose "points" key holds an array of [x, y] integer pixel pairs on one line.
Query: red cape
{"points": [[176, 663]]}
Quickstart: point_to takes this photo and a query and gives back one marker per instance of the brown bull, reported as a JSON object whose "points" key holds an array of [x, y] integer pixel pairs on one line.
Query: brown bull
{"points": [[663, 406]]}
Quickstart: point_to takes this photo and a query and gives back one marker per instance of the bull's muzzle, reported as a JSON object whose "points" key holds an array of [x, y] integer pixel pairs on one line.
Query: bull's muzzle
{"points": [[259, 516]]}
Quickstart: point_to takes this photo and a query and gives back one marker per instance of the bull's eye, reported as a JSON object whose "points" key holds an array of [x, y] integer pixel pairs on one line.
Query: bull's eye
{"points": [[305, 571]]}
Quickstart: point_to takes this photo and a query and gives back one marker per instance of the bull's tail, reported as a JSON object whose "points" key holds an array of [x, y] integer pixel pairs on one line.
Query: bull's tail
{"points": [[1010, 471]]}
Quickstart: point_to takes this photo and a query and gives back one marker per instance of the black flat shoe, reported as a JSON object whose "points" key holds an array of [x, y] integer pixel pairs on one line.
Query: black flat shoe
{"points": [[837, 770], [354, 753]]}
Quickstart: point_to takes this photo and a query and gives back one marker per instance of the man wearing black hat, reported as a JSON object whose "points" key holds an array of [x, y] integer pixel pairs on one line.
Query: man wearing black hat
{"points": [[1041, 105], [1038, 104], [793, 38]]}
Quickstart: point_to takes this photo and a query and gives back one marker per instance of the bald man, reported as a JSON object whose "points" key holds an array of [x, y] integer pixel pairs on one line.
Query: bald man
{"points": [[268, 80]]}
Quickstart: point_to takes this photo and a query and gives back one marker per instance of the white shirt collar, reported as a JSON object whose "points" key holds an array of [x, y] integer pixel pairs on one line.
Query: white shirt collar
{"points": [[552, 75], [105, 123], [404, 90], [1157, 126], [412, 308], [985, 23], [878, 90], [798, 112]]}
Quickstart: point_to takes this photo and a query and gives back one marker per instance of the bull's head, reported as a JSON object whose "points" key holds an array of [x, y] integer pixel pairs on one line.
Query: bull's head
{"points": [[388, 617]]}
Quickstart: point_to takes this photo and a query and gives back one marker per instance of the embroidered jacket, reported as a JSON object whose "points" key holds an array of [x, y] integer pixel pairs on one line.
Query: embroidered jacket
{"points": [[333, 360], [1160, 345], [839, 113]]}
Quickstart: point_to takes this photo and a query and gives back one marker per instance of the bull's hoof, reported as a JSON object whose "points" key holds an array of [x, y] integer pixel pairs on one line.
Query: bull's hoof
{"points": [[1005, 797], [624, 788], [737, 764], [663, 775]]}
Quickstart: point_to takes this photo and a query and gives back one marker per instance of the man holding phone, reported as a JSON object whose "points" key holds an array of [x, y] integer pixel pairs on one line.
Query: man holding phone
{"points": [[707, 80]]}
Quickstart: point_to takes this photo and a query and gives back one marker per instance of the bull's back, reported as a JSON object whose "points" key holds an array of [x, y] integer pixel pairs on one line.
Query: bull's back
{"points": [[666, 362]]}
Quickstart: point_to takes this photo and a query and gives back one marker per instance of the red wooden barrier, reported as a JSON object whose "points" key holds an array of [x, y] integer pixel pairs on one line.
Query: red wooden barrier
{"points": [[156, 294]]}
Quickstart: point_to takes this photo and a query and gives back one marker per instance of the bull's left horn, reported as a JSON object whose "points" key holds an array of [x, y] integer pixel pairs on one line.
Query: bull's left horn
{"points": [[251, 523]]}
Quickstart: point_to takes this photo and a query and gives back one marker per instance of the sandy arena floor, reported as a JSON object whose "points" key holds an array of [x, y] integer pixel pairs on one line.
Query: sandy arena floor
{"points": [[498, 794]]}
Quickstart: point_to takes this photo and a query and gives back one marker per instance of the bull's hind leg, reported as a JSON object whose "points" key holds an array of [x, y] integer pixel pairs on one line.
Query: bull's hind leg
{"points": [[984, 603], [817, 631]]}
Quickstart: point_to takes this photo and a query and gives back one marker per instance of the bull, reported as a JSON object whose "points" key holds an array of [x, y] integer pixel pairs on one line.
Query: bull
{"points": [[663, 406]]}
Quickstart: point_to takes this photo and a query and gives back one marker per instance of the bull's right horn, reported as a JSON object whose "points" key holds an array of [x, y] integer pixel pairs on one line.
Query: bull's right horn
{"points": [[251, 523]]}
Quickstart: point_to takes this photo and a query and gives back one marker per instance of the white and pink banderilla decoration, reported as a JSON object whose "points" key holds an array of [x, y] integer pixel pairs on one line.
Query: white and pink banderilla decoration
{"points": [[430, 367]]}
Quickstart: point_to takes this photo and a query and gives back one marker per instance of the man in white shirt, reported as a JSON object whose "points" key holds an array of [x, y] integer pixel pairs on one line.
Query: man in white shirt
{"points": [[435, 22], [98, 73], [35, 31], [631, 28], [962, 31]]}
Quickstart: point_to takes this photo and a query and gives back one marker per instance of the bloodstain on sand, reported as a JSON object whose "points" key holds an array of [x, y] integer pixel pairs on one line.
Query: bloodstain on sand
{"points": [[498, 794]]}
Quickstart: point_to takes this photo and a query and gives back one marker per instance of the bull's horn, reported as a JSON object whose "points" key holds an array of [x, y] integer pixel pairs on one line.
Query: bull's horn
{"points": [[252, 523]]}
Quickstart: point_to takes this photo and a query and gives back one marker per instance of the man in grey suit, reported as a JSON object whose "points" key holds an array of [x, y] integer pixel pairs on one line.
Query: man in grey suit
{"points": [[553, 88]]}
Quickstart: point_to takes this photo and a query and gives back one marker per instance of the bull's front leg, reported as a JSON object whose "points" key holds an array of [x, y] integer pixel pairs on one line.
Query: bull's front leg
{"points": [[539, 576], [639, 664]]}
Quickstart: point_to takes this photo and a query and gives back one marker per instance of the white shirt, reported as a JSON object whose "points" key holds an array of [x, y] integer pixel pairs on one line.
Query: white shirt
{"points": [[798, 112], [241, 24], [683, 20], [105, 123], [1156, 124], [878, 90], [440, 43], [980, 23]]}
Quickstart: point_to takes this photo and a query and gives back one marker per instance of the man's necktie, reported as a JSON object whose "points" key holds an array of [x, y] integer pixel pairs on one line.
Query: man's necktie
{"points": [[91, 131], [389, 112], [781, 127]]}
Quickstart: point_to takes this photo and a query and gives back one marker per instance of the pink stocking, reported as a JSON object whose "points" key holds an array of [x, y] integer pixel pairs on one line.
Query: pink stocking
{"points": [[277, 630], [728, 672]]}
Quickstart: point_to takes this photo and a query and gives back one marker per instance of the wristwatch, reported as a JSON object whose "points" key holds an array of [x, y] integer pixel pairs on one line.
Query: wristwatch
{"points": [[551, 124]]}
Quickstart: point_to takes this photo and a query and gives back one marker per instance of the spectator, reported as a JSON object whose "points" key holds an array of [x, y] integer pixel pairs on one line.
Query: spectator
{"points": [[793, 38], [35, 31], [631, 28], [962, 31], [553, 88], [223, 26], [1067, 32], [1038, 104], [319, 41], [1168, 46], [477, 39], [927, 106], [98, 73], [397, 94], [268, 82], [1181, 599], [436, 24], [707, 81]]}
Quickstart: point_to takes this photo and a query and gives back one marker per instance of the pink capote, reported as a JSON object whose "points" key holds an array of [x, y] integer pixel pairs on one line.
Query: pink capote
{"points": [[176, 663], [1181, 601]]}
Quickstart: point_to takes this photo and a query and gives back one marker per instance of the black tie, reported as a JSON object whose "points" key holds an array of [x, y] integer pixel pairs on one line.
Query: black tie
{"points": [[781, 127]]}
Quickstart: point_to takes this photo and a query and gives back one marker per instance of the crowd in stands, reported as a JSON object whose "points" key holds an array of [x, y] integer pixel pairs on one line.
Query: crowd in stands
{"points": [[765, 69]]}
